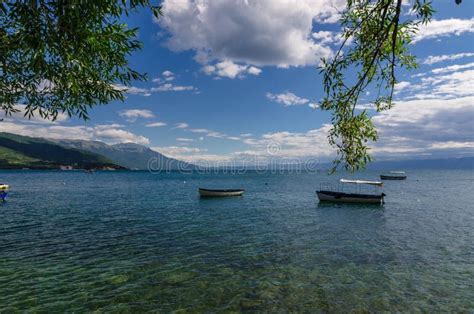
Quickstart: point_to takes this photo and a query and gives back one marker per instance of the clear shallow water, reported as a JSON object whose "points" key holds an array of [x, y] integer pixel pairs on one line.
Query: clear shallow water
{"points": [[135, 241]]}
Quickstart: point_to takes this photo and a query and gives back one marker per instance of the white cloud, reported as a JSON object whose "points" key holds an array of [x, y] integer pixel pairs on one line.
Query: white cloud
{"points": [[164, 85], [133, 90], [155, 124], [400, 86], [133, 114], [207, 132], [216, 134], [441, 28], [194, 155], [456, 84], [169, 87], [230, 69], [36, 118], [441, 84], [453, 68], [200, 130], [259, 33], [109, 133], [184, 139], [287, 99], [181, 125], [114, 135], [435, 59], [254, 70], [313, 106], [328, 38], [426, 126], [289, 145], [172, 151]]}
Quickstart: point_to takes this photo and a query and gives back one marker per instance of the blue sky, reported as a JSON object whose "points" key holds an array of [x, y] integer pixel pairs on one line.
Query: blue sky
{"points": [[230, 79]]}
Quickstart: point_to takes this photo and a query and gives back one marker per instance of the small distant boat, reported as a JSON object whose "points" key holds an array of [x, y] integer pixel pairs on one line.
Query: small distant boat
{"points": [[3, 191], [343, 197], [394, 175], [220, 193]]}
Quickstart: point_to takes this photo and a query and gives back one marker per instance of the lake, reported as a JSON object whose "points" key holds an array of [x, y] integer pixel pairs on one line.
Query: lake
{"points": [[136, 241]]}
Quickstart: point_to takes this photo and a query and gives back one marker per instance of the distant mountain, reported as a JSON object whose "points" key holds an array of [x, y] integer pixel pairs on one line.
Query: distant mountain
{"points": [[447, 163], [17, 152], [130, 155], [462, 163]]}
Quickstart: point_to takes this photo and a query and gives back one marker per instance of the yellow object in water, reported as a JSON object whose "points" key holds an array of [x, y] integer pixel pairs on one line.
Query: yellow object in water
{"points": [[4, 187]]}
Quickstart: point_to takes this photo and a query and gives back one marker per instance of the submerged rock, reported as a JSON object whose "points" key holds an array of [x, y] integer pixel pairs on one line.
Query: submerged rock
{"points": [[179, 277], [118, 279], [249, 304]]}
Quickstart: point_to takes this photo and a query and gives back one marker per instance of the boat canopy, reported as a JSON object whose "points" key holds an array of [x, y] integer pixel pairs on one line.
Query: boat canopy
{"points": [[377, 183], [397, 172]]}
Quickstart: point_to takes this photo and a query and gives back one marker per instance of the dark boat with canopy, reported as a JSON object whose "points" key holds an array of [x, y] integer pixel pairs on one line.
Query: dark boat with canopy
{"points": [[344, 197]]}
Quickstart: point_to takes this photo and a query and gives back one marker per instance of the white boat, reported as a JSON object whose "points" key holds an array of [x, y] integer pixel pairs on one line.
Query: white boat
{"points": [[220, 193], [377, 183], [344, 197]]}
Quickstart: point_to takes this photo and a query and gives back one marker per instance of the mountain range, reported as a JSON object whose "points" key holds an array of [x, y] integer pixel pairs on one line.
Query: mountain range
{"points": [[18, 152], [129, 155]]}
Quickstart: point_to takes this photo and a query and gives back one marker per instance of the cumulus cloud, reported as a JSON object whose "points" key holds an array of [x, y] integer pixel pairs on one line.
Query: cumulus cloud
{"points": [[194, 155], [426, 126], [441, 84], [313, 106], [290, 145], [435, 59], [400, 86], [451, 85], [258, 33], [132, 115], [327, 37], [442, 28], [287, 99], [230, 69]]}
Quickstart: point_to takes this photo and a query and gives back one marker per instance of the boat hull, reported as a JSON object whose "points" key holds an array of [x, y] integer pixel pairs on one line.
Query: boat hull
{"points": [[385, 177], [220, 193], [340, 197]]}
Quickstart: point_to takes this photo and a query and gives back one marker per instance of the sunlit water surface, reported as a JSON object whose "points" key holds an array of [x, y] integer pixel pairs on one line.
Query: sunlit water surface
{"points": [[135, 241]]}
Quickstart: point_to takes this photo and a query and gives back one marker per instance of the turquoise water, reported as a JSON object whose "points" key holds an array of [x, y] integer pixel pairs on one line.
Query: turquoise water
{"points": [[135, 241]]}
